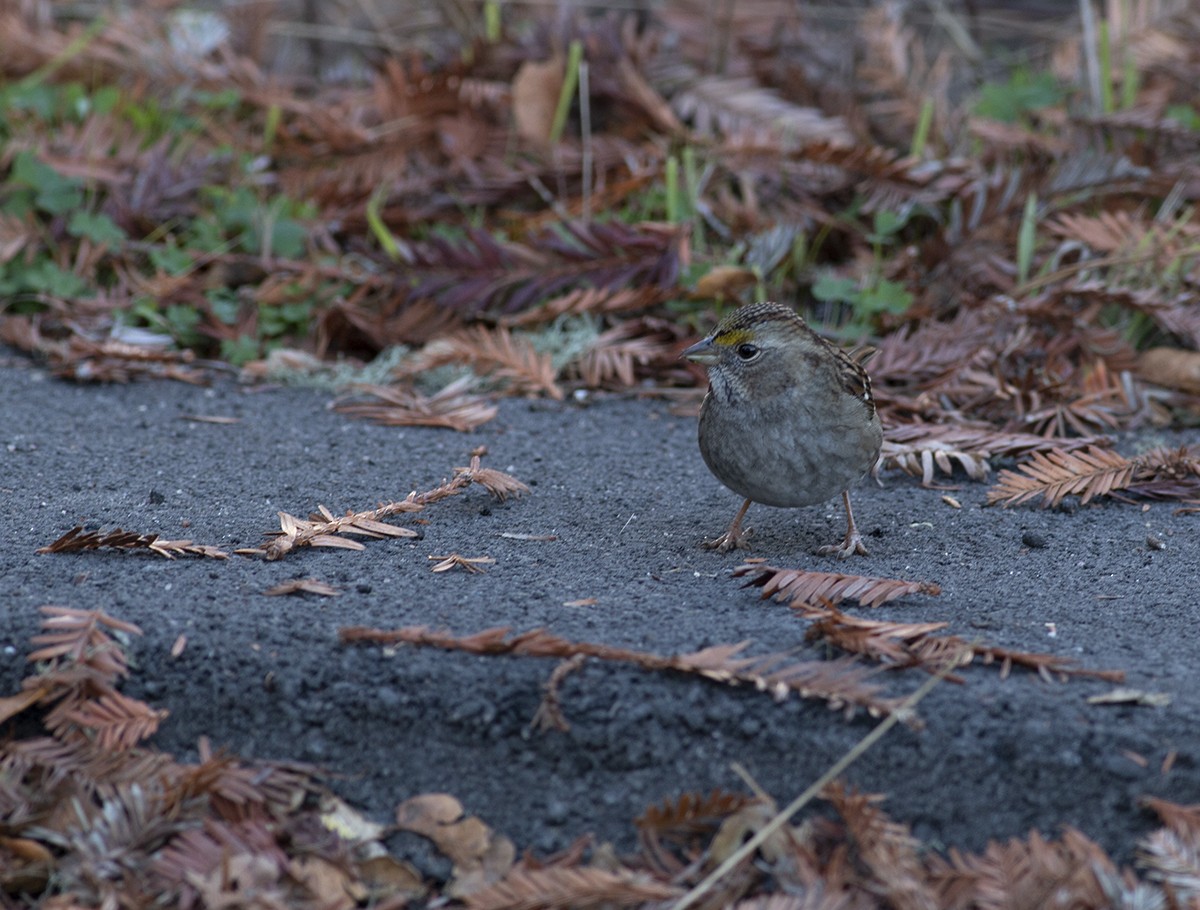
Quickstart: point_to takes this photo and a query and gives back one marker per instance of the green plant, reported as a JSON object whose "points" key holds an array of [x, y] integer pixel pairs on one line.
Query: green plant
{"points": [[238, 218], [1022, 94], [1185, 115], [875, 294]]}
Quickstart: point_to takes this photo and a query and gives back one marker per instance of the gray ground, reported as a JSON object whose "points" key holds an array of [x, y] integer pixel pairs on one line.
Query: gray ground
{"points": [[621, 485]]}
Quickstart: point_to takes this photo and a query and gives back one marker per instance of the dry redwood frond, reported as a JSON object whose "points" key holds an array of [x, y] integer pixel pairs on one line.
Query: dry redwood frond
{"points": [[798, 586], [685, 823], [843, 685], [399, 406], [117, 721], [77, 540], [918, 644], [324, 529], [612, 357], [1017, 873], [890, 643], [500, 484], [598, 301], [1057, 474], [566, 886], [495, 353], [80, 636], [924, 449], [886, 848]]}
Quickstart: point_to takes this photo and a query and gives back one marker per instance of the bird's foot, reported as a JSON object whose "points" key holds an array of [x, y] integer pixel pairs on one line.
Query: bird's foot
{"points": [[730, 540], [853, 544]]}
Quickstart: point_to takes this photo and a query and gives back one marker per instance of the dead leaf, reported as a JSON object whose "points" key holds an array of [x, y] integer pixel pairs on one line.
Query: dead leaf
{"points": [[387, 876], [479, 855], [330, 886], [472, 564], [1173, 368], [724, 282], [303, 586], [347, 823], [1127, 696], [535, 91], [25, 865]]}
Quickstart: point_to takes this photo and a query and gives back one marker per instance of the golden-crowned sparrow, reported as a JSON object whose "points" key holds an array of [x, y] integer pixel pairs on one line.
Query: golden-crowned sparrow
{"points": [[788, 419]]}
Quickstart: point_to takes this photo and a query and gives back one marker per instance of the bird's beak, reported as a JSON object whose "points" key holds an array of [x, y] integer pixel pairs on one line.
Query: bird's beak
{"points": [[702, 352]]}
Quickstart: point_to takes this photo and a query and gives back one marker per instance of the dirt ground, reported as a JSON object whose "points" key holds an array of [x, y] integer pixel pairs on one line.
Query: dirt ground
{"points": [[620, 485]]}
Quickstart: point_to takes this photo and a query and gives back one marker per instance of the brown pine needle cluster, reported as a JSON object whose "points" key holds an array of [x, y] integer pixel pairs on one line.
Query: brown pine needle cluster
{"points": [[322, 529], [325, 529], [841, 684], [493, 353], [812, 595], [799, 586], [924, 449], [78, 539], [452, 408], [1093, 473]]}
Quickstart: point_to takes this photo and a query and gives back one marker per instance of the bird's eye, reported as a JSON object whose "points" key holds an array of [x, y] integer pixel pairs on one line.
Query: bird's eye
{"points": [[747, 351]]}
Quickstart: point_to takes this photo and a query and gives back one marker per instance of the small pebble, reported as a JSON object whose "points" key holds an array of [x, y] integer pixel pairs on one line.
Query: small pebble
{"points": [[1033, 540]]}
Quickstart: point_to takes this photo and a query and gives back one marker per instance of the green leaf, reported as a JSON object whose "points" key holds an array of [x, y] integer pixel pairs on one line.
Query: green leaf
{"points": [[1185, 115], [289, 238], [885, 297], [1024, 92], [170, 259], [224, 304], [182, 321], [53, 193], [887, 224], [46, 277], [95, 226], [240, 350], [828, 288]]}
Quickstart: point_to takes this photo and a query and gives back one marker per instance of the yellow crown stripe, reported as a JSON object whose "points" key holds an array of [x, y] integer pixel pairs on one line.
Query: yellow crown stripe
{"points": [[733, 336]]}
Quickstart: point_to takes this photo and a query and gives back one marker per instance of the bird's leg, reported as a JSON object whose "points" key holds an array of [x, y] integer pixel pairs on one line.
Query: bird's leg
{"points": [[735, 537], [853, 541]]}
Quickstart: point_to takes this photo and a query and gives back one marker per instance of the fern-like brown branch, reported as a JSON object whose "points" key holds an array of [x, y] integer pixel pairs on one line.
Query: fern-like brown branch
{"points": [[399, 406], [324, 529], [917, 644], [681, 823], [82, 636], [888, 850], [578, 886], [494, 353], [799, 586], [1092, 473], [924, 449], [117, 721], [842, 684], [78, 540]]}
